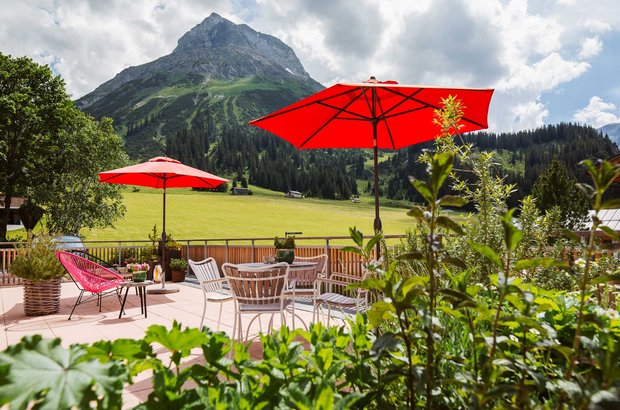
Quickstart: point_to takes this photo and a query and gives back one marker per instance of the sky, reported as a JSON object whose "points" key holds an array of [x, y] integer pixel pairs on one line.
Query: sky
{"points": [[548, 60]]}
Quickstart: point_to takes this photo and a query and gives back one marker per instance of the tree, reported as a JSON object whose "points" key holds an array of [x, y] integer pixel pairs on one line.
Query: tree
{"points": [[556, 188], [52, 152], [34, 108], [72, 195]]}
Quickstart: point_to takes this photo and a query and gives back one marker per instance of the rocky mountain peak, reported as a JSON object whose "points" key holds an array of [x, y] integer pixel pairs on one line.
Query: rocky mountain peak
{"points": [[215, 49], [216, 34]]}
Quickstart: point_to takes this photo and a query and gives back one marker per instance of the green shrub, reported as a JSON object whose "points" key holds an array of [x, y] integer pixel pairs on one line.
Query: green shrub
{"points": [[36, 260], [178, 265]]}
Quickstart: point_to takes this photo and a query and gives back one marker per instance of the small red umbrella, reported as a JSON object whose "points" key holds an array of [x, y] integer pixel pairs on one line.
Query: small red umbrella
{"points": [[378, 115], [162, 172]]}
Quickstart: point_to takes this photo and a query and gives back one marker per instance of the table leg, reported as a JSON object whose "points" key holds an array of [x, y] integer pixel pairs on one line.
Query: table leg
{"points": [[140, 293], [120, 314], [144, 293]]}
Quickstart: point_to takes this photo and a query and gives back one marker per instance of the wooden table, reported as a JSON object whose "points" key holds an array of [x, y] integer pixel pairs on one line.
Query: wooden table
{"points": [[140, 289]]}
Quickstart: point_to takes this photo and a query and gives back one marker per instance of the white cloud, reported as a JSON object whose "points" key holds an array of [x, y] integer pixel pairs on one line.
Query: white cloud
{"points": [[523, 48], [543, 75], [590, 47], [529, 115], [598, 113], [597, 26]]}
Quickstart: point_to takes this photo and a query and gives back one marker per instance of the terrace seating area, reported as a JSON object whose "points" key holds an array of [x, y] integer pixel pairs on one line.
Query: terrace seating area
{"points": [[89, 324]]}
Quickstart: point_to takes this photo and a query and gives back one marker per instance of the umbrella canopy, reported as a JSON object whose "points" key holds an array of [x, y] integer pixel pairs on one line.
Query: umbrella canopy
{"points": [[379, 115], [162, 172]]}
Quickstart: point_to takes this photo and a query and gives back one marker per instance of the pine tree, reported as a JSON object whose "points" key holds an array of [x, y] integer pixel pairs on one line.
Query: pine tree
{"points": [[556, 188]]}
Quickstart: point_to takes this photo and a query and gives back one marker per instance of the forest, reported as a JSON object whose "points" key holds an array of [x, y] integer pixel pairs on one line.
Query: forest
{"points": [[256, 157]]}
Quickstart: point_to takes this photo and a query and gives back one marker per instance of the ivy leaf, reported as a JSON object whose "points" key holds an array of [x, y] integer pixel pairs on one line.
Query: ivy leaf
{"points": [[487, 252], [62, 378], [410, 256], [609, 232], [611, 204], [541, 263], [512, 234], [448, 223], [423, 188], [353, 249], [452, 200], [605, 278], [417, 212], [357, 236]]}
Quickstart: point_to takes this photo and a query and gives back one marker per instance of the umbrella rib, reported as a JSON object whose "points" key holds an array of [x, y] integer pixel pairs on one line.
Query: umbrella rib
{"points": [[387, 126], [342, 110], [328, 121], [425, 104], [286, 111]]}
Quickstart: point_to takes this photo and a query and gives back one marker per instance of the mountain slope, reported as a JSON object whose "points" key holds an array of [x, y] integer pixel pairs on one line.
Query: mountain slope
{"points": [[219, 72], [612, 131]]}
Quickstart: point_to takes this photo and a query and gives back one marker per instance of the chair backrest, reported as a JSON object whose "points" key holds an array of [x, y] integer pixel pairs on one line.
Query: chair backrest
{"points": [[206, 270], [87, 274], [305, 278], [257, 285]]}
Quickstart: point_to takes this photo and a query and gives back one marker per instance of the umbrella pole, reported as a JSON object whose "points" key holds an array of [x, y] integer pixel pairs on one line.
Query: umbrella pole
{"points": [[377, 225], [164, 289]]}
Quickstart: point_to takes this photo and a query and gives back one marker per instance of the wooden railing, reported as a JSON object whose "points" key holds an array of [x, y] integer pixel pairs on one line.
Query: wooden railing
{"points": [[232, 250]]}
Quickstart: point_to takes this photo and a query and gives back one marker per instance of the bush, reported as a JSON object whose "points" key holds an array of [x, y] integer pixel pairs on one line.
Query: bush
{"points": [[178, 265], [36, 260]]}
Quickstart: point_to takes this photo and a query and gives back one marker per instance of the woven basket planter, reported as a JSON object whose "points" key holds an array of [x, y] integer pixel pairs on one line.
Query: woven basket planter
{"points": [[41, 297]]}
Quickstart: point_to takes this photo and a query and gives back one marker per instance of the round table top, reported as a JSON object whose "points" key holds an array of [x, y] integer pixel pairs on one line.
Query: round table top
{"points": [[130, 283], [293, 265]]}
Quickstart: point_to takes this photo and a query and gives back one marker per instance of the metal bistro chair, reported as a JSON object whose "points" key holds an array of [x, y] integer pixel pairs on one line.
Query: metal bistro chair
{"points": [[90, 277], [257, 291], [303, 281], [331, 292], [212, 285]]}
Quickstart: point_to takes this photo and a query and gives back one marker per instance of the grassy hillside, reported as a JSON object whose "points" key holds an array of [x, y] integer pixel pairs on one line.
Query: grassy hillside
{"points": [[197, 215]]}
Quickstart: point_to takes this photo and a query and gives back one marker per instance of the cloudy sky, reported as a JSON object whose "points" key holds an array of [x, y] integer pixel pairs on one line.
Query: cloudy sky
{"points": [[549, 60]]}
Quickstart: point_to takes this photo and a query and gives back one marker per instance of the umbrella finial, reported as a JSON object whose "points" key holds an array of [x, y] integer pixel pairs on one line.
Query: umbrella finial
{"points": [[372, 79]]}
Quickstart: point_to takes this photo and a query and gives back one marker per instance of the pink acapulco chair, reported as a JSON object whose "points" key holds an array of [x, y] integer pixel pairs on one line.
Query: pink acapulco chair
{"points": [[90, 277]]}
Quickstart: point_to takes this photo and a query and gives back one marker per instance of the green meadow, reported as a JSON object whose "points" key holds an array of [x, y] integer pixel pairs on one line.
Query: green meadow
{"points": [[205, 215]]}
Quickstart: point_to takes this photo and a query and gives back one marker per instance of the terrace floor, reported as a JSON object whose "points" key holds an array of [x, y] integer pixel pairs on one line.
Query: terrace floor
{"points": [[89, 325]]}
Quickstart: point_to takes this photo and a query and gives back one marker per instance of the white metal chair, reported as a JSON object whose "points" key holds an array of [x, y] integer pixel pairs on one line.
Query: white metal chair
{"points": [[303, 280], [331, 292], [257, 291], [212, 285]]}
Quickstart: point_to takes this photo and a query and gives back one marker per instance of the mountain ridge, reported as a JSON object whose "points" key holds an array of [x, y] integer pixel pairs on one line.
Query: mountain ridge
{"points": [[613, 131]]}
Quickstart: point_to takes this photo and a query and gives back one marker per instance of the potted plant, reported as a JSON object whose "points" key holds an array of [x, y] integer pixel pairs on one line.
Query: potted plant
{"points": [[138, 271], [42, 273], [285, 249], [178, 267]]}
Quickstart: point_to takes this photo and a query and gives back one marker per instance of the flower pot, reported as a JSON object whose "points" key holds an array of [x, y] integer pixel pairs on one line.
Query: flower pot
{"points": [[285, 255], [178, 276], [139, 276], [41, 297]]}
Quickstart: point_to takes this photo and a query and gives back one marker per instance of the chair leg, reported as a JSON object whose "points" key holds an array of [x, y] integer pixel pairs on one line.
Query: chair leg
{"points": [[204, 310], [77, 302], [219, 318]]}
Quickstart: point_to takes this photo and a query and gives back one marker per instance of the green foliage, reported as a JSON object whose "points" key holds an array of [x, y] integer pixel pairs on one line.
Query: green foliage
{"points": [[71, 193], [177, 264], [42, 373], [52, 152], [34, 110], [36, 259], [284, 243], [555, 188]]}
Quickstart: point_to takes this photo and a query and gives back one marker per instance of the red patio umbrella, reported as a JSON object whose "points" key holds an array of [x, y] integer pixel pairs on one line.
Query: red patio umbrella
{"points": [[372, 114], [162, 172]]}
